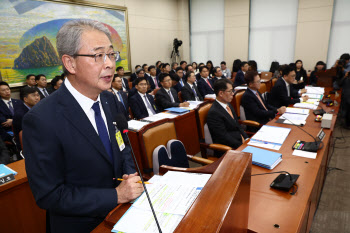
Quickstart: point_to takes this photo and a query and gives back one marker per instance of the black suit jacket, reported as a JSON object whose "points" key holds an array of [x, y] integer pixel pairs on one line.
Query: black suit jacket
{"points": [[5, 114], [223, 128], [163, 99], [279, 95], [133, 77], [69, 171], [188, 94], [151, 82], [239, 79], [254, 110], [204, 88], [17, 123], [41, 94], [126, 84], [139, 108], [178, 86]]}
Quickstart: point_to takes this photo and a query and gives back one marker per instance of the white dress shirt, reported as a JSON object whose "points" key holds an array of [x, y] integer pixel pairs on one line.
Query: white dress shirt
{"points": [[150, 113]]}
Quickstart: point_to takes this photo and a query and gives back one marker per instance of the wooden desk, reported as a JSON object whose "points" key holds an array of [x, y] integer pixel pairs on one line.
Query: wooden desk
{"points": [[187, 133], [222, 205], [19, 212], [291, 213]]}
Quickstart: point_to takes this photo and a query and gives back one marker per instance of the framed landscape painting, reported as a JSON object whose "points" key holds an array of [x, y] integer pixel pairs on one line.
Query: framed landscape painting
{"points": [[28, 35]]}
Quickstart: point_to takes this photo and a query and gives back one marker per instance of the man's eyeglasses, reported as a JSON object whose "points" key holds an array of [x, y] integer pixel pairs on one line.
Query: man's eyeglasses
{"points": [[101, 57]]}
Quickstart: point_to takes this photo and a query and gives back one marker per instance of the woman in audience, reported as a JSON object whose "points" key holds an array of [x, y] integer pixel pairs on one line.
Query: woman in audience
{"points": [[195, 68], [320, 65], [253, 66], [210, 67], [274, 69], [300, 75], [236, 65]]}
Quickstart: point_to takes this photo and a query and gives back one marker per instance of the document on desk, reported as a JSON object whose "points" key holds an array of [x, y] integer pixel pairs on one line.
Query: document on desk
{"points": [[298, 111], [193, 105], [171, 195], [314, 96], [160, 116], [294, 119], [305, 105], [270, 137], [136, 125], [314, 90]]}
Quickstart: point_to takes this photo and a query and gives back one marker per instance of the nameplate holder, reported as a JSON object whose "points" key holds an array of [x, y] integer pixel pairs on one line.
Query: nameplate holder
{"points": [[6, 179]]}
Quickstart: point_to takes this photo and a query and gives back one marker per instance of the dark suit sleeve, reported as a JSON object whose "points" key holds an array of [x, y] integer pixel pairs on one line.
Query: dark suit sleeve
{"points": [[163, 102], [135, 108], [251, 107], [186, 94], [46, 174]]}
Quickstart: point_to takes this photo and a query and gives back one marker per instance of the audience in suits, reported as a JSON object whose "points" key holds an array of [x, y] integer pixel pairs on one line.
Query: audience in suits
{"points": [[140, 73], [239, 79], [222, 120], [133, 76], [125, 82], [56, 82], [30, 97], [190, 91], [152, 79], [181, 81], [183, 65], [8, 108], [283, 92], [225, 71], [42, 85], [145, 69], [255, 106], [30, 80], [167, 97], [174, 65], [158, 67], [198, 75], [205, 84], [122, 97], [217, 74], [142, 104]]}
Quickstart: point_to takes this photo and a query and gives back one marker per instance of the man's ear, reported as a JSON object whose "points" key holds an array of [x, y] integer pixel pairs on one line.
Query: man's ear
{"points": [[69, 63]]}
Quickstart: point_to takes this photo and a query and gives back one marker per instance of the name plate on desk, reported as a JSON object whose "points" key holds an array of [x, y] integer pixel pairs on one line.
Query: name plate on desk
{"points": [[6, 179]]}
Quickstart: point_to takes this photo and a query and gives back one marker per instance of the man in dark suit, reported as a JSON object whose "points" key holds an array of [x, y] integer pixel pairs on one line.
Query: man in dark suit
{"points": [[205, 85], [56, 82], [41, 82], [174, 65], [145, 69], [255, 107], [283, 93], [181, 82], [122, 97], [142, 104], [125, 82], [190, 91], [140, 73], [239, 79], [72, 164], [152, 79], [167, 97], [222, 120], [30, 97], [8, 107], [133, 76]]}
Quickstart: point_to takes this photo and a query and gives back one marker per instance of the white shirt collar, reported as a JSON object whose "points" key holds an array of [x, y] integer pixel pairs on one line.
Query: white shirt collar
{"points": [[7, 101], [222, 104], [285, 82], [191, 85], [166, 89], [142, 95], [254, 91], [84, 102]]}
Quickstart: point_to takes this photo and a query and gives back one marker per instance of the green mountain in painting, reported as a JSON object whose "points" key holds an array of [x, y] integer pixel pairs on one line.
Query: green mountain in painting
{"points": [[40, 53]]}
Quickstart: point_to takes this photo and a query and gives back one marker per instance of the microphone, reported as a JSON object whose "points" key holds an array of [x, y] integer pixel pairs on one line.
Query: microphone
{"points": [[309, 146], [282, 182], [122, 125]]}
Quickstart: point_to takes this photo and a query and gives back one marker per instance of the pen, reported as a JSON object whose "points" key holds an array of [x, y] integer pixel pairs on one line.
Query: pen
{"points": [[136, 182]]}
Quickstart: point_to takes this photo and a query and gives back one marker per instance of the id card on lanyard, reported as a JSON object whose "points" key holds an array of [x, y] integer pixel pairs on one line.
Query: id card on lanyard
{"points": [[118, 137]]}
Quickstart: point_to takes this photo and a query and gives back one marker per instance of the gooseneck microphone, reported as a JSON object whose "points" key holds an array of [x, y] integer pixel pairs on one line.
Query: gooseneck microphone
{"points": [[122, 125]]}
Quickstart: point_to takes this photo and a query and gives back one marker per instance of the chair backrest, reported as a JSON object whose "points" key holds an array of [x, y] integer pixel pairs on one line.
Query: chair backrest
{"points": [[131, 114], [201, 115], [262, 88], [266, 75], [130, 85], [20, 134], [274, 81], [242, 113], [236, 101], [155, 91], [180, 96], [155, 134]]}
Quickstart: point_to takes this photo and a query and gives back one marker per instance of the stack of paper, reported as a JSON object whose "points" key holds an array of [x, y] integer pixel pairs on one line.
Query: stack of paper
{"points": [[297, 111], [314, 90], [264, 158], [136, 125], [313, 96], [305, 105], [270, 137], [171, 195], [241, 88], [160, 116], [210, 96], [292, 119]]}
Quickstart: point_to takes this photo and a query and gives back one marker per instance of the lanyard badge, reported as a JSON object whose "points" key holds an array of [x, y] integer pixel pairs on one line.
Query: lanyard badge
{"points": [[118, 137]]}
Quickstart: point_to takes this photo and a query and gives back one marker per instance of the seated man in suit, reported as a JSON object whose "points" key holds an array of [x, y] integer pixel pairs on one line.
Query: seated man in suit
{"points": [[125, 82], [30, 80], [167, 97], [181, 82], [217, 74], [8, 108], [255, 107], [222, 120], [283, 93], [190, 91], [152, 79], [56, 82], [133, 76], [198, 75], [174, 65], [239, 79], [73, 159], [145, 68], [30, 97], [140, 73], [142, 104], [122, 97], [41, 82], [205, 84]]}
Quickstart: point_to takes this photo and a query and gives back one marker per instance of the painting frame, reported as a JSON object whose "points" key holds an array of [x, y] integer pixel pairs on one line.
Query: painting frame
{"points": [[109, 7]]}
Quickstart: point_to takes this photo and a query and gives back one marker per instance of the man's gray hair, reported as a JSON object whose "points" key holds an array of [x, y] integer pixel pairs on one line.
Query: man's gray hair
{"points": [[68, 37]]}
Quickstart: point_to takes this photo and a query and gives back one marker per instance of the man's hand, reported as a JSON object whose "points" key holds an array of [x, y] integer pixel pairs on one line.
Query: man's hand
{"points": [[129, 189], [7, 123], [302, 91], [281, 110], [185, 104], [305, 98]]}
